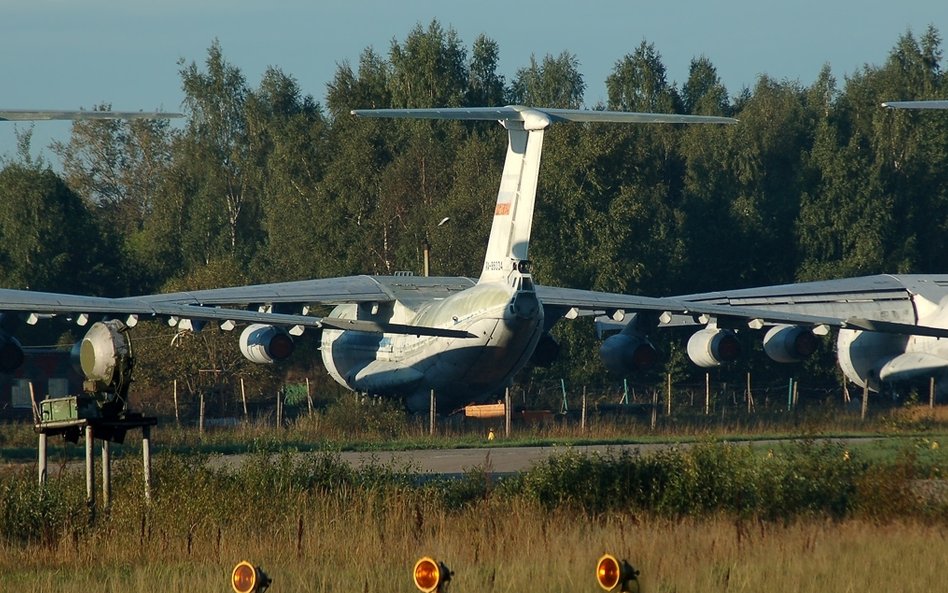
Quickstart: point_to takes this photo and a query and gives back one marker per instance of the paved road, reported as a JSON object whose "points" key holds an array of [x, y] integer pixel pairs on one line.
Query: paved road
{"points": [[510, 459], [495, 459]]}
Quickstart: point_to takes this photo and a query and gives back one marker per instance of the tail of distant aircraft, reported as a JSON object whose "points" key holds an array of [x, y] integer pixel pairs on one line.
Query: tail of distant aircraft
{"points": [[513, 214]]}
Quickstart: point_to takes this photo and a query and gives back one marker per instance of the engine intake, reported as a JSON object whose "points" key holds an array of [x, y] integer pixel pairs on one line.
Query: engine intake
{"points": [[625, 353], [711, 346], [265, 344], [11, 353], [790, 343]]}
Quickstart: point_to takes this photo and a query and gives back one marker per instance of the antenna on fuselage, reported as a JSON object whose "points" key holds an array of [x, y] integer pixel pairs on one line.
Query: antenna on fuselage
{"points": [[513, 214]]}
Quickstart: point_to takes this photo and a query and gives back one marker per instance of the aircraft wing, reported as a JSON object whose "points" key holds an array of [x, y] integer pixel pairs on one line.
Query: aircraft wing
{"points": [[753, 308], [189, 307], [325, 291], [42, 115], [528, 114]]}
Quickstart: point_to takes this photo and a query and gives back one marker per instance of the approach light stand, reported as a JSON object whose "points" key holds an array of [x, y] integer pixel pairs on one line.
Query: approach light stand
{"points": [[104, 356]]}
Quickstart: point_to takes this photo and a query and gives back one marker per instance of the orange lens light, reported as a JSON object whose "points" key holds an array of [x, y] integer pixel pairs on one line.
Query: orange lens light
{"points": [[427, 575], [244, 578], [608, 572]]}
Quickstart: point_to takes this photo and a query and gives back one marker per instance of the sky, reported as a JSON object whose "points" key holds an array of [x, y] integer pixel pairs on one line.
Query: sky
{"points": [[71, 54]]}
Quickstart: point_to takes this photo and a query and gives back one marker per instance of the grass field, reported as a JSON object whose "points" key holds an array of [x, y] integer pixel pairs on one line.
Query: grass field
{"points": [[804, 517], [370, 546]]}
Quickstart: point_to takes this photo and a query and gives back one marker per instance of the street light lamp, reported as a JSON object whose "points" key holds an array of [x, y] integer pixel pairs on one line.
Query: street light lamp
{"points": [[426, 247]]}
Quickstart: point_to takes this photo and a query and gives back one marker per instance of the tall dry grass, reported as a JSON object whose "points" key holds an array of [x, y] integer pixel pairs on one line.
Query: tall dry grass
{"points": [[694, 520], [369, 544]]}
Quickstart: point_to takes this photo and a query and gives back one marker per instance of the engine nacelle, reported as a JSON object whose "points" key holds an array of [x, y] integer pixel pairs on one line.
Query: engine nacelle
{"points": [[11, 353], [265, 344], [711, 346], [790, 343], [625, 353]]}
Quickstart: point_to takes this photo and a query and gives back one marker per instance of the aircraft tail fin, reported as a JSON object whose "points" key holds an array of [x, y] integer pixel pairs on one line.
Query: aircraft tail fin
{"points": [[513, 213]]}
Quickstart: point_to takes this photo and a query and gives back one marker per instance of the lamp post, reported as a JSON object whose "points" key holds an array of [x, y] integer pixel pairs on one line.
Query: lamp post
{"points": [[426, 248]]}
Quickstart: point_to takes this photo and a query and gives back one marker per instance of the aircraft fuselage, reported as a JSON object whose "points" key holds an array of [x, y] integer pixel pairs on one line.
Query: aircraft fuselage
{"points": [[505, 320]]}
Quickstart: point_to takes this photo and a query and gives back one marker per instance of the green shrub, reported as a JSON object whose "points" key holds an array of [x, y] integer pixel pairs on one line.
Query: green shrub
{"points": [[33, 514]]}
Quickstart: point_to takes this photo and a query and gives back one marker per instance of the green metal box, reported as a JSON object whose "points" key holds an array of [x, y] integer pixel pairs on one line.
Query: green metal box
{"points": [[65, 409]]}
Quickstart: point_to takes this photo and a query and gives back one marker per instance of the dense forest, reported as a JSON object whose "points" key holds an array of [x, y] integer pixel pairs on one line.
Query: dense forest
{"points": [[266, 183]]}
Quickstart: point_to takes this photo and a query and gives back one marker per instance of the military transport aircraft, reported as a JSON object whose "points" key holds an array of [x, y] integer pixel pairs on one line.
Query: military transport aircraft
{"points": [[464, 338], [865, 355]]}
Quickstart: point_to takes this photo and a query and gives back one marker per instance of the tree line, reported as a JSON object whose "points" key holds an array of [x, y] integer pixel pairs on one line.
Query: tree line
{"points": [[266, 183]]}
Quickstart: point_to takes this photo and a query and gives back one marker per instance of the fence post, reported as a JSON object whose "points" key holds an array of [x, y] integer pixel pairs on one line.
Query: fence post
{"points": [[309, 397], [106, 475], [243, 396], [279, 407], [201, 415], [177, 418], [865, 399], [507, 412], [432, 411], [668, 396], [146, 460], [707, 393], [931, 393], [582, 418], [654, 408]]}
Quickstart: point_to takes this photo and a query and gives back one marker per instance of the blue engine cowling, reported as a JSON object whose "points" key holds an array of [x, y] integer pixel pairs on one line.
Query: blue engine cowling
{"points": [[625, 353], [790, 343], [11, 353]]}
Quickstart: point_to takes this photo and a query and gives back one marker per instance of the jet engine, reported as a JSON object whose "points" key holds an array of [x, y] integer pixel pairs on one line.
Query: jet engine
{"points": [[790, 343], [624, 353], [264, 344], [11, 353], [711, 346]]}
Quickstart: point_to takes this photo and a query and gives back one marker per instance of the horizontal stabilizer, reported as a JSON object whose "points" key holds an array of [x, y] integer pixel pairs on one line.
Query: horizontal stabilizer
{"points": [[42, 115], [916, 104], [526, 114]]}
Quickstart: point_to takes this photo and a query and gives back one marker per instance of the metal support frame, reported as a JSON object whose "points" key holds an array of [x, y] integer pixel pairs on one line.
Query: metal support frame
{"points": [[107, 431]]}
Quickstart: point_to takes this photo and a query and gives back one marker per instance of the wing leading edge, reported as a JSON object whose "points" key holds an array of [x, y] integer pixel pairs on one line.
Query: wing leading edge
{"points": [[573, 302], [44, 304]]}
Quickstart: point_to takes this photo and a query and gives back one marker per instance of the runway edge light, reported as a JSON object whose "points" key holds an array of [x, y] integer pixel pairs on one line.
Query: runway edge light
{"points": [[430, 575], [613, 574], [247, 578]]}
